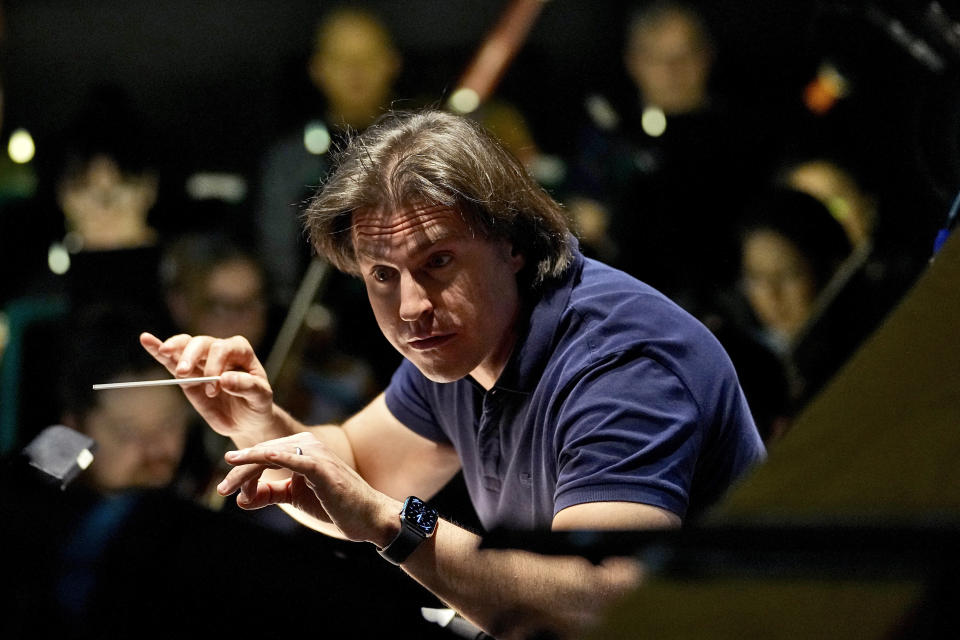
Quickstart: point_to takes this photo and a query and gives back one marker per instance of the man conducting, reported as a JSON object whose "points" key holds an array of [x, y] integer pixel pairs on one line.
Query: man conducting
{"points": [[571, 395]]}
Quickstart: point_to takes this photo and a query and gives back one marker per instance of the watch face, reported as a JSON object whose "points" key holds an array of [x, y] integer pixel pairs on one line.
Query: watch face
{"points": [[417, 513]]}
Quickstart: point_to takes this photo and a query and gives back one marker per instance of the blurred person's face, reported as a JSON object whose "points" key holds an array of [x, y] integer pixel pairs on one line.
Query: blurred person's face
{"points": [[778, 282], [446, 298], [355, 67], [231, 303], [670, 64], [106, 208], [140, 435], [838, 191]]}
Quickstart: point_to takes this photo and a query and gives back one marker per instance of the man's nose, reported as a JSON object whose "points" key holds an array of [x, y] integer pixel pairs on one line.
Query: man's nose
{"points": [[414, 300]]}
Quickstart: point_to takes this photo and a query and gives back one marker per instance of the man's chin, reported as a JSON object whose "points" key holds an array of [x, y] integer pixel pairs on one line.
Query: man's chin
{"points": [[155, 480], [440, 376], [436, 373]]}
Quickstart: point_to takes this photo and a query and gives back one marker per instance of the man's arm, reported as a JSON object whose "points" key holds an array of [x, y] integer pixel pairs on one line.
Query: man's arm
{"points": [[507, 593], [395, 460], [372, 454], [518, 594], [390, 457], [350, 480]]}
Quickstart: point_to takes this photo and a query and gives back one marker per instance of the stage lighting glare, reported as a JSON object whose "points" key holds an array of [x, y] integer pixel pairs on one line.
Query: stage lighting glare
{"points": [[21, 148], [58, 259], [316, 138], [464, 100], [653, 121]]}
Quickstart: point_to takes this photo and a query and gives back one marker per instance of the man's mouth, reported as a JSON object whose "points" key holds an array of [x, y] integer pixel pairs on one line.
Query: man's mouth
{"points": [[431, 342]]}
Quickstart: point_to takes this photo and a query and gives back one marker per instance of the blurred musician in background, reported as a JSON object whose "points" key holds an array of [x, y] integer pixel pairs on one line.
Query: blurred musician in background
{"points": [[143, 434], [352, 69], [661, 171]]}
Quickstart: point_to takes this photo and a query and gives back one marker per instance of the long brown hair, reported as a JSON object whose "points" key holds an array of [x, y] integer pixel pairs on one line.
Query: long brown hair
{"points": [[434, 157]]}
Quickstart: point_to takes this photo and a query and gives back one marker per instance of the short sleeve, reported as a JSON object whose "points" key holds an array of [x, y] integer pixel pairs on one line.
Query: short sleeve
{"points": [[408, 399], [630, 431]]}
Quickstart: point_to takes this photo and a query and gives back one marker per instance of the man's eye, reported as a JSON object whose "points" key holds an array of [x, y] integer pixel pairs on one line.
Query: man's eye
{"points": [[439, 260], [381, 275]]}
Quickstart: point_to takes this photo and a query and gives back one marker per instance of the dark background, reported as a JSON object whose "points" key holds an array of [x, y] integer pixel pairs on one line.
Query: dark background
{"points": [[217, 80], [217, 76]]}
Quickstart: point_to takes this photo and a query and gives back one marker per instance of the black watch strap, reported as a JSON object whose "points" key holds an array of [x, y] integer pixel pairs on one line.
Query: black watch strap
{"points": [[418, 521], [403, 545]]}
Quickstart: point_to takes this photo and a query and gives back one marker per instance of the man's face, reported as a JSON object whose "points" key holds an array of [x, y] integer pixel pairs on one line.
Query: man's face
{"points": [[231, 303], [356, 66], [107, 208], [670, 64], [140, 435], [445, 298], [778, 281]]}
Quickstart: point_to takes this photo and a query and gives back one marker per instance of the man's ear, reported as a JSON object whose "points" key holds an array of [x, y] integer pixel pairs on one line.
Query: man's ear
{"points": [[517, 259]]}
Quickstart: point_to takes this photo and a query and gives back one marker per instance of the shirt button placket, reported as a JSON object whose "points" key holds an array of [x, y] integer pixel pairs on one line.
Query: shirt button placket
{"points": [[488, 441]]}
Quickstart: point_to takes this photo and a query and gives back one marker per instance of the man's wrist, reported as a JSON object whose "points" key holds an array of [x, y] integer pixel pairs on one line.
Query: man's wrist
{"points": [[388, 526], [418, 522], [280, 425], [283, 424]]}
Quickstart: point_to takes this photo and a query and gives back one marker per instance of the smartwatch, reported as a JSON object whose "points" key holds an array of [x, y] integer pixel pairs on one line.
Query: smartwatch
{"points": [[418, 521]]}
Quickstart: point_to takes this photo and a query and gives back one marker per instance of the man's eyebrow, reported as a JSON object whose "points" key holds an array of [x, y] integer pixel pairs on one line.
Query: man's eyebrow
{"points": [[424, 243], [422, 240]]}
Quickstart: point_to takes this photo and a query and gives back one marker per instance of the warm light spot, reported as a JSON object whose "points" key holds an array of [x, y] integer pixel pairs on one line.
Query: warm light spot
{"points": [[653, 121], [21, 148], [464, 100], [58, 259], [316, 138], [84, 459], [825, 89]]}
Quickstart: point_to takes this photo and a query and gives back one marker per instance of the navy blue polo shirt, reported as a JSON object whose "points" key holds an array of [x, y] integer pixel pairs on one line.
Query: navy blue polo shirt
{"points": [[613, 393]]}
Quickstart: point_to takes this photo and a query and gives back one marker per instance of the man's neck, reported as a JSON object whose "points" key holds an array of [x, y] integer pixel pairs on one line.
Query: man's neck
{"points": [[490, 369]]}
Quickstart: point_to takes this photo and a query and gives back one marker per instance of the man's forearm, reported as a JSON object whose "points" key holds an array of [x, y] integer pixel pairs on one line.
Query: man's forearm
{"points": [[511, 594], [515, 594]]}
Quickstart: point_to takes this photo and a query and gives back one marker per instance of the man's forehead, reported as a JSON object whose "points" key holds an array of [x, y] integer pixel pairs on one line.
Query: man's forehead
{"points": [[414, 227]]}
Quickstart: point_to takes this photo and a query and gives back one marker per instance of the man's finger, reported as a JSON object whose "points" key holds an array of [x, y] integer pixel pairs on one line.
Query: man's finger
{"points": [[253, 389], [271, 458], [231, 353], [264, 494], [239, 475], [248, 489], [194, 356], [160, 351]]}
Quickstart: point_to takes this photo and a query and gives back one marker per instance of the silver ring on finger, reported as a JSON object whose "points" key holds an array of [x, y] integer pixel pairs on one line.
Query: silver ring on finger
{"points": [[299, 451]]}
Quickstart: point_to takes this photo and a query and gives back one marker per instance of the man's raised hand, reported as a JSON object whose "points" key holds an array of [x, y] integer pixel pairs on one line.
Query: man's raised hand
{"points": [[240, 404]]}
